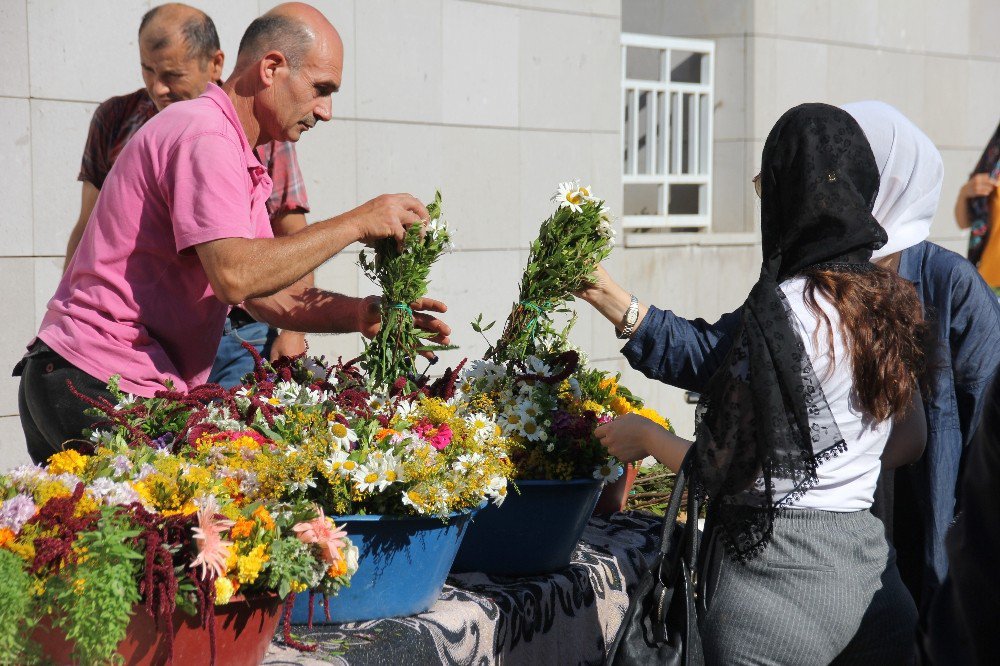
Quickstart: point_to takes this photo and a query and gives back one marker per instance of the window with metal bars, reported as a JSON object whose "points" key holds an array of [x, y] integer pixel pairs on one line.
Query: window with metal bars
{"points": [[667, 97]]}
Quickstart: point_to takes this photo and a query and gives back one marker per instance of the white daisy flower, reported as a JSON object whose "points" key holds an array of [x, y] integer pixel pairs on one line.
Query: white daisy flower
{"points": [[537, 366], [377, 403], [342, 435], [529, 409], [568, 196], [417, 504], [405, 410], [335, 463], [392, 472], [481, 425], [368, 478], [587, 193], [608, 472], [532, 431], [510, 422], [497, 490]]}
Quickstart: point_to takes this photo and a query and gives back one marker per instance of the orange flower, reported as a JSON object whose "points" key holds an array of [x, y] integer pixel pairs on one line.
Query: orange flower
{"points": [[337, 569], [385, 432], [6, 536], [242, 529], [264, 517]]}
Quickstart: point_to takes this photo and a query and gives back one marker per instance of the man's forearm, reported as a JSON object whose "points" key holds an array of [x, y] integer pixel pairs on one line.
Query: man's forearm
{"points": [[242, 269], [309, 310], [286, 224]]}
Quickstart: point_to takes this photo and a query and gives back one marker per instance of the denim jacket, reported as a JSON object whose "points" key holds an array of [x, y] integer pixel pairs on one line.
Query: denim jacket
{"points": [[966, 316]]}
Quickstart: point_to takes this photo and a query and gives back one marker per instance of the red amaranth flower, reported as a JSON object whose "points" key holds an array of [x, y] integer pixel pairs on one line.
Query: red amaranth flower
{"points": [[57, 516]]}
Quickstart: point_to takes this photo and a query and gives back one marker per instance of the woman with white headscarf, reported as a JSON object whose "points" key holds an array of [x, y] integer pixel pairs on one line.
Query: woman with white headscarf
{"points": [[922, 500], [963, 312]]}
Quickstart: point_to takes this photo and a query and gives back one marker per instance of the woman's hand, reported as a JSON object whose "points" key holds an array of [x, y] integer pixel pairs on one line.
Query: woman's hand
{"points": [[980, 185], [610, 299], [632, 437]]}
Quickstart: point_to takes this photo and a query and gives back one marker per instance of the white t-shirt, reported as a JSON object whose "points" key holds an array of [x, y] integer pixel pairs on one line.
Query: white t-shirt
{"points": [[847, 481]]}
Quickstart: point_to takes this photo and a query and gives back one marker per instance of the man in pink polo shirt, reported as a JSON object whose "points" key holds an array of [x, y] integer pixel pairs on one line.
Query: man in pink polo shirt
{"points": [[180, 231]]}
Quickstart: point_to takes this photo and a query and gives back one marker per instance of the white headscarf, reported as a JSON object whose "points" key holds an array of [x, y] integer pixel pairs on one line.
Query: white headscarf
{"points": [[911, 173]]}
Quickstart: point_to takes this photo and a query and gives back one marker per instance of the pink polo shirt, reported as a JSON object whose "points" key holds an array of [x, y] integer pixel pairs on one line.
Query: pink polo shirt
{"points": [[135, 299]]}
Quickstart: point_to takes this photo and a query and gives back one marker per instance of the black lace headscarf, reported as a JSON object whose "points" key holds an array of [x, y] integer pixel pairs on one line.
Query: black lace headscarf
{"points": [[763, 416]]}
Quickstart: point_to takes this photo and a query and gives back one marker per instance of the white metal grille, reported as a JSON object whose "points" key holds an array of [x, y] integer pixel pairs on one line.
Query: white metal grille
{"points": [[667, 97]]}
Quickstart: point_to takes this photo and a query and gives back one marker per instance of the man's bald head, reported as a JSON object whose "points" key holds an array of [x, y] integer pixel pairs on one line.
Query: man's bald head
{"points": [[290, 62], [163, 25], [292, 29]]}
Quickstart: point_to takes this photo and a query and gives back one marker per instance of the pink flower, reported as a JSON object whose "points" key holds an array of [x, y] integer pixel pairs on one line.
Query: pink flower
{"points": [[439, 437], [323, 532], [212, 550]]}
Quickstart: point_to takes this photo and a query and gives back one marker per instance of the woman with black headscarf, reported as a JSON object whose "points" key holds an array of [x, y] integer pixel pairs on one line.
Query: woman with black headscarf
{"points": [[817, 391]]}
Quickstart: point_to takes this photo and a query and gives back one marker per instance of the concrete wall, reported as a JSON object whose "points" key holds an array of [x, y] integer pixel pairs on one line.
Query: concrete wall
{"points": [[492, 101], [936, 60]]}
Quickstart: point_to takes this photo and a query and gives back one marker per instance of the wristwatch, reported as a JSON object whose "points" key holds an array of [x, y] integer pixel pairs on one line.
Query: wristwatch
{"points": [[629, 320]]}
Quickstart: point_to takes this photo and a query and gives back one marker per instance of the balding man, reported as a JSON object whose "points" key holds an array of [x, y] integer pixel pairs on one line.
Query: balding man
{"points": [[180, 55], [181, 231]]}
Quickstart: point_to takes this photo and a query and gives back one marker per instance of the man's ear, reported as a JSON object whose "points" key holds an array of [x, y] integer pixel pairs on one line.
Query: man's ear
{"points": [[215, 65], [269, 65]]}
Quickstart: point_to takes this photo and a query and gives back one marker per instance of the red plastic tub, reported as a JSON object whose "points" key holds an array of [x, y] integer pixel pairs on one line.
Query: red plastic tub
{"points": [[243, 632]]}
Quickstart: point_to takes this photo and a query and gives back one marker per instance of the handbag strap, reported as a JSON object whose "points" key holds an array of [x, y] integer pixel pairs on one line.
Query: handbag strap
{"points": [[674, 506], [687, 549]]}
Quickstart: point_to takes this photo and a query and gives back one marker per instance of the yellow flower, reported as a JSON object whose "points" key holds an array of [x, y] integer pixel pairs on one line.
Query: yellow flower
{"points": [[436, 411], [620, 405], [610, 382], [298, 587], [248, 566], [223, 591], [86, 505], [78, 586], [653, 416], [47, 490], [185, 509], [591, 406], [67, 462]]}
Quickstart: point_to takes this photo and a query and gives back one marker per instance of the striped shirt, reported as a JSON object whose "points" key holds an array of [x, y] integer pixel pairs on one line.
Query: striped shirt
{"points": [[119, 118]]}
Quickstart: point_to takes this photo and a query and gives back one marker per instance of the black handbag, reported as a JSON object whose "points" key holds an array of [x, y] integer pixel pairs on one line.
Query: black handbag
{"points": [[661, 623]]}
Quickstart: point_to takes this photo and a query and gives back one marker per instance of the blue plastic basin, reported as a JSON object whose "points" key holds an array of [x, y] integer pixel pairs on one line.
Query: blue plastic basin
{"points": [[402, 565], [534, 532]]}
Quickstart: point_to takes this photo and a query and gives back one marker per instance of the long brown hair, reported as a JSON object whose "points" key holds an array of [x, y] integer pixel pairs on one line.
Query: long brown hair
{"points": [[886, 334]]}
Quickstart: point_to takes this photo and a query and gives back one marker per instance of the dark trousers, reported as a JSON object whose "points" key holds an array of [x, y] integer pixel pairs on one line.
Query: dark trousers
{"points": [[51, 416]]}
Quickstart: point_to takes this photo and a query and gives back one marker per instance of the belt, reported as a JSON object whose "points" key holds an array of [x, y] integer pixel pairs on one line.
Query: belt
{"points": [[239, 317]]}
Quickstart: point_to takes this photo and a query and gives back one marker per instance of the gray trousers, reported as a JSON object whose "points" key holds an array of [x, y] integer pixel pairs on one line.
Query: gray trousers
{"points": [[825, 591]]}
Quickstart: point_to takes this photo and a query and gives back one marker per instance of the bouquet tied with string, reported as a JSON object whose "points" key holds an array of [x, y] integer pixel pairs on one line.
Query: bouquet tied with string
{"points": [[571, 243], [402, 274]]}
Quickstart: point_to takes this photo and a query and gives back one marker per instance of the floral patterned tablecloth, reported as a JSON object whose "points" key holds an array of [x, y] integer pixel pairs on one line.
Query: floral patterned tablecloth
{"points": [[563, 618]]}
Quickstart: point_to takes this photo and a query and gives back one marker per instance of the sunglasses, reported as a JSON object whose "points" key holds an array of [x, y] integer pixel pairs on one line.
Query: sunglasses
{"points": [[756, 185]]}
